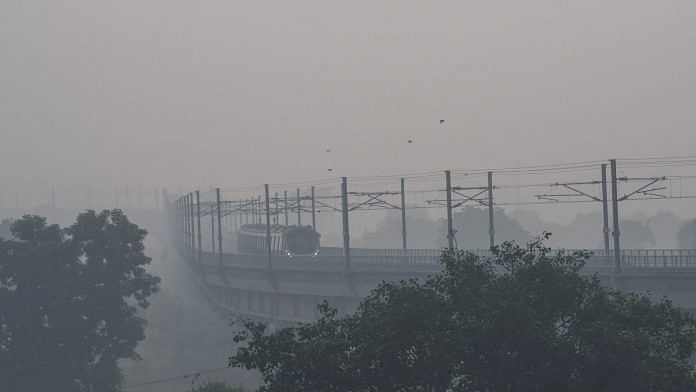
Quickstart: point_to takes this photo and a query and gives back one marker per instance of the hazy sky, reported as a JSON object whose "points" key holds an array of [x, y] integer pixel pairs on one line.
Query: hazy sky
{"points": [[180, 93]]}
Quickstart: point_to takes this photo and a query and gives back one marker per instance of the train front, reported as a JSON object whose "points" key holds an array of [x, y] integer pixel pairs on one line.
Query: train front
{"points": [[301, 241]]}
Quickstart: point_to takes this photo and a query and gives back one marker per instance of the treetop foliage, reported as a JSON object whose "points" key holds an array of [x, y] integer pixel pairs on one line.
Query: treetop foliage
{"points": [[521, 320], [471, 228], [67, 299]]}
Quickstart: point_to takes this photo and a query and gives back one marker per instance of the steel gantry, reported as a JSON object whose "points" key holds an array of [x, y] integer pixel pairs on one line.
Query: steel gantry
{"points": [[189, 210], [457, 196], [574, 192]]}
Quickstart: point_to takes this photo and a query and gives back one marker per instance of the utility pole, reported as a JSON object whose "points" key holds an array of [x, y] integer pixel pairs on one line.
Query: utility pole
{"points": [[268, 229], [193, 227], [234, 208], [177, 210], [198, 219], [615, 207], [252, 206], [275, 209], [187, 223], [605, 210], [177, 216], [403, 215], [346, 231], [314, 217], [219, 212], [450, 230], [212, 227], [299, 208], [260, 209], [491, 223], [255, 204], [184, 212], [184, 222], [187, 238], [192, 233], [226, 220], [286, 208], [254, 211]]}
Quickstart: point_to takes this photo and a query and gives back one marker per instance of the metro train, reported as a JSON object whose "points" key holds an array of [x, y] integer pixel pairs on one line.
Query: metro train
{"points": [[285, 240]]}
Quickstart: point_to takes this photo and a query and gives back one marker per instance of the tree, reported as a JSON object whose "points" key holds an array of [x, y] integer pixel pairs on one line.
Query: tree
{"points": [[522, 320], [686, 237], [422, 231], [5, 231], [531, 221], [636, 235], [471, 227], [664, 225], [68, 302], [217, 386]]}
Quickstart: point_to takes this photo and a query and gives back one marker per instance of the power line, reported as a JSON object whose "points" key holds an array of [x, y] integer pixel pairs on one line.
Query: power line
{"points": [[421, 179], [431, 175], [658, 158], [174, 378]]}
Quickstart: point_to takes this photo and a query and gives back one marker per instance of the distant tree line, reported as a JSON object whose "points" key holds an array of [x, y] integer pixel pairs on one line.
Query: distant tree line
{"points": [[687, 235], [638, 231]]}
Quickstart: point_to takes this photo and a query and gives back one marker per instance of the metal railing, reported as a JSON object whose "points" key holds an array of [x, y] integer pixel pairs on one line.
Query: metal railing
{"points": [[632, 260]]}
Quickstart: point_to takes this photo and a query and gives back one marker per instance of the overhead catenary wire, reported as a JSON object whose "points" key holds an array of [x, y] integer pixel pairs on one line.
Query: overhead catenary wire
{"points": [[175, 378], [429, 183], [433, 174]]}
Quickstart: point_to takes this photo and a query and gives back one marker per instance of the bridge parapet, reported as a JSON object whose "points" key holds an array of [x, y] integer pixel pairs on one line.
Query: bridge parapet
{"points": [[290, 291], [648, 260]]}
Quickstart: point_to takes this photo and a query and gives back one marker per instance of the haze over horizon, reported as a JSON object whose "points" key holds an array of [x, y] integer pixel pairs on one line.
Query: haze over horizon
{"points": [[182, 180], [177, 93], [182, 95]]}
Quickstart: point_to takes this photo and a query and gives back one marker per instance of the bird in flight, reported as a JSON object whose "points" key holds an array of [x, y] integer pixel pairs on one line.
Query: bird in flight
{"points": [[330, 169], [442, 121], [410, 141], [327, 150]]}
